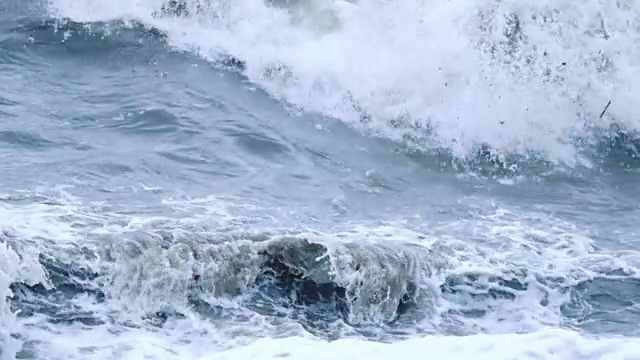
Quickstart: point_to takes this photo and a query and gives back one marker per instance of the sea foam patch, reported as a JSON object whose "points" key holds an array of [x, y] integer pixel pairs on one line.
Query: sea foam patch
{"points": [[545, 344]]}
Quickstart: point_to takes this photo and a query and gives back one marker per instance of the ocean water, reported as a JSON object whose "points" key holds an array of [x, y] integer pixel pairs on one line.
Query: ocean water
{"points": [[319, 179]]}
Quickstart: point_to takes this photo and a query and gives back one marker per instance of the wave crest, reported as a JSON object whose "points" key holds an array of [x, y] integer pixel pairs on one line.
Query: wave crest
{"points": [[516, 78]]}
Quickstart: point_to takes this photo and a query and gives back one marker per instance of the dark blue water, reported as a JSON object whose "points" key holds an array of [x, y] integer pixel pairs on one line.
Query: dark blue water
{"points": [[151, 196]]}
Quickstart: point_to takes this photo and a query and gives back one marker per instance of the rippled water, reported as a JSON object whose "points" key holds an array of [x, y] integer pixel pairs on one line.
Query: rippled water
{"points": [[203, 179]]}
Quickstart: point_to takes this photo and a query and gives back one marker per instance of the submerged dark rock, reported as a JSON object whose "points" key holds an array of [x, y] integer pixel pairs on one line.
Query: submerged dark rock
{"points": [[303, 271]]}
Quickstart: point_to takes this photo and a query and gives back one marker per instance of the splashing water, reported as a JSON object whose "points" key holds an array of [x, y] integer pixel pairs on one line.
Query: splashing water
{"points": [[388, 250], [515, 76]]}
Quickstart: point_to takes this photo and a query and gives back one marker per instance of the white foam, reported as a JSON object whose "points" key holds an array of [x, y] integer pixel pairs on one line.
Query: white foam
{"points": [[30, 224], [155, 275], [545, 344], [204, 345], [9, 262], [428, 62], [15, 265]]}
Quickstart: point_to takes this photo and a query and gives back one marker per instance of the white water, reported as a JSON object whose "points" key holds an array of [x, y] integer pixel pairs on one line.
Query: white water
{"points": [[545, 344], [153, 278], [425, 64], [428, 63]]}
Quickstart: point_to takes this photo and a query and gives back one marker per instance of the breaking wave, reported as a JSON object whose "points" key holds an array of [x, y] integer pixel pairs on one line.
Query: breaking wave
{"points": [[377, 289], [503, 79], [67, 267]]}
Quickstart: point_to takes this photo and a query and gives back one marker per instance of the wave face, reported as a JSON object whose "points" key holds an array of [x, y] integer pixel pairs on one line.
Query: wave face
{"points": [[526, 78]]}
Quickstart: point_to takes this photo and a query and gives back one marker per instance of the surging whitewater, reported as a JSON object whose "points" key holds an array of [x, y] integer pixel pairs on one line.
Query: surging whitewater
{"points": [[516, 76], [455, 75], [148, 275]]}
